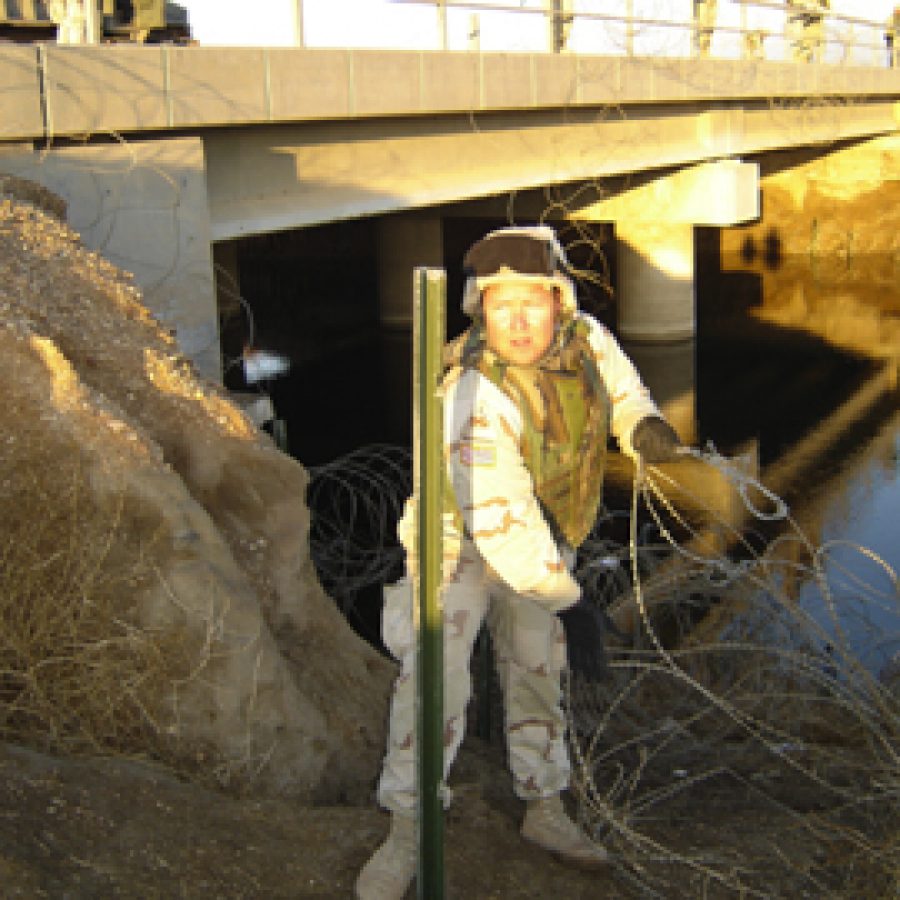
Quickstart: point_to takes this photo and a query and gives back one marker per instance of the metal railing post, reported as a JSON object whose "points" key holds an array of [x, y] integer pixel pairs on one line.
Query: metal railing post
{"points": [[474, 42], [298, 23], [629, 28], [93, 22], [429, 293], [803, 28], [559, 24], [442, 24]]}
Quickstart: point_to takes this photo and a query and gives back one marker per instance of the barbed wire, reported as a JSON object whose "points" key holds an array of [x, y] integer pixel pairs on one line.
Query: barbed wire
{"points": [[744, 679], [762, 676], [355, 503]]}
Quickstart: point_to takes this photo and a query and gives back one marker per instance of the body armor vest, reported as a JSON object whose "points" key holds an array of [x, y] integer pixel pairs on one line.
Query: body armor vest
{"points": [[565, 413]]}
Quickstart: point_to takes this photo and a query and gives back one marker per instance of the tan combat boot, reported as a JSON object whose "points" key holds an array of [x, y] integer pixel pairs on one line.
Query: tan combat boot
{"points": [[547, 825], [390, 871]]}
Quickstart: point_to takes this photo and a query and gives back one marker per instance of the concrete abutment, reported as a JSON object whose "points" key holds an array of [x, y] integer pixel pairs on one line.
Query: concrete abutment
{"points": [[144, 207]]}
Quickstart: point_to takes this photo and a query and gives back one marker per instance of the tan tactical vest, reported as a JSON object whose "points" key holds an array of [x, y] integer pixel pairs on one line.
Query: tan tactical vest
{"points": [[565, 411]]}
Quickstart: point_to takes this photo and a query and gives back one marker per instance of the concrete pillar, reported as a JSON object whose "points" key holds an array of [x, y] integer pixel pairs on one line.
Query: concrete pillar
{"points": [[404, 242], [655, 281], [654, 222], [298, 23], [474, 43], [669, 371]]}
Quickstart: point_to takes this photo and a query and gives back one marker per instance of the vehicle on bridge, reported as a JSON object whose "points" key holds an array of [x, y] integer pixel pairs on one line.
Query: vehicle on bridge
{"points": [[138, 21]]}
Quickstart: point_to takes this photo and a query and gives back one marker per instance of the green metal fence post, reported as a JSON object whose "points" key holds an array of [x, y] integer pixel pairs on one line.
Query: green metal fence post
{"points": [[429, 292]]}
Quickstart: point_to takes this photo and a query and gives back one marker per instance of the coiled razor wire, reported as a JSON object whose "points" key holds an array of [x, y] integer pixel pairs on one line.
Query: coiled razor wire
{"points": [[752, 689], [356, 500], [772, 681], [355, 503]]}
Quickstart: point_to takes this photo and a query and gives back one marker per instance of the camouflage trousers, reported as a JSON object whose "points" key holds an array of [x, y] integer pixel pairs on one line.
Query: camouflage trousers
{"points": [[530, 654]]}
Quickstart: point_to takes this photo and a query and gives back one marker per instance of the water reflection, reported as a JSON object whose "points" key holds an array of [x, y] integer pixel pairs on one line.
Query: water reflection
{"points": [[802, 349], [853, 518]]}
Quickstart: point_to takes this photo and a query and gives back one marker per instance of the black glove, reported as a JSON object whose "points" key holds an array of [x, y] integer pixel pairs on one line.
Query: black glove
{"points": [[584, 627], [655, 440]]}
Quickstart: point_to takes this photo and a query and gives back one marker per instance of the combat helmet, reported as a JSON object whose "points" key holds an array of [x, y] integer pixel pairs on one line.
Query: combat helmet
{"points": [[530, 253]]}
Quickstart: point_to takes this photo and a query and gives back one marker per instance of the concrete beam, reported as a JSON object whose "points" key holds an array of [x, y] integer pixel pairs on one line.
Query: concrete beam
{"points": [[126, 87], [102, 89], [20, 101], [270, 178], [266, 179], [724, 192]]}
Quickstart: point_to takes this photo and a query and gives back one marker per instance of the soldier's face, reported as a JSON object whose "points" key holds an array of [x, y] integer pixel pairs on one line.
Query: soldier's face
{"points": [[519, 320]]}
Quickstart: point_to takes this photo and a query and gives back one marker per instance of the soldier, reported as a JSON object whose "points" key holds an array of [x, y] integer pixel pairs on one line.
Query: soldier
{"points": [[806, 28], [532, 390]]}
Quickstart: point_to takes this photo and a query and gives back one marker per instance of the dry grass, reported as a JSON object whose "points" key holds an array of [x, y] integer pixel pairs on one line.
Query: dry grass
{"points": [[78, 672], [752, 754]]}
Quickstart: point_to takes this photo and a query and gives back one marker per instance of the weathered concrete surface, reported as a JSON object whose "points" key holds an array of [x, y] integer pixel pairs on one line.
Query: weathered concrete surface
{"points": [[270, 178], [723, 192], [103, 89], [121, 87], [222, 88], [20, 96]]}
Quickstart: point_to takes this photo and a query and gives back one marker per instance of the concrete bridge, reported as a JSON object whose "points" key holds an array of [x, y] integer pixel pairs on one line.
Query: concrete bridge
{"points": [[167, 155]]}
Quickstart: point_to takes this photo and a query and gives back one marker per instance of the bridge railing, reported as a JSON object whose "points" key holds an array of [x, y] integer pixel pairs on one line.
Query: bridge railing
{"points": [[802, 31]]}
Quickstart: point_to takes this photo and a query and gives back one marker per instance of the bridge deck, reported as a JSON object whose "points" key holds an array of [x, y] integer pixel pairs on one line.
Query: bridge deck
{"points": [[52, 90]]}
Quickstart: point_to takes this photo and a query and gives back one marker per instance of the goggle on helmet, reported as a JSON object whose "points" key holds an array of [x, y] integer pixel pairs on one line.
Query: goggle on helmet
{"points": [[530, 254]]}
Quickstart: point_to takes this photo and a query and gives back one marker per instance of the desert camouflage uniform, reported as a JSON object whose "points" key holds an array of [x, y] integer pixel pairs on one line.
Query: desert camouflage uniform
{"points": [[505, 567]]}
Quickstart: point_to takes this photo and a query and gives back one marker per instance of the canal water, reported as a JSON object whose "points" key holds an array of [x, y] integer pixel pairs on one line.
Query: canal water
{"points": [[805, 402], [858, 528]]}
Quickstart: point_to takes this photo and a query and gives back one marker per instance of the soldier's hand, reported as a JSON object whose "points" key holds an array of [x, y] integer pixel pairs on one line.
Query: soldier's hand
{"points": [[584, 627], [655, 440]]}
